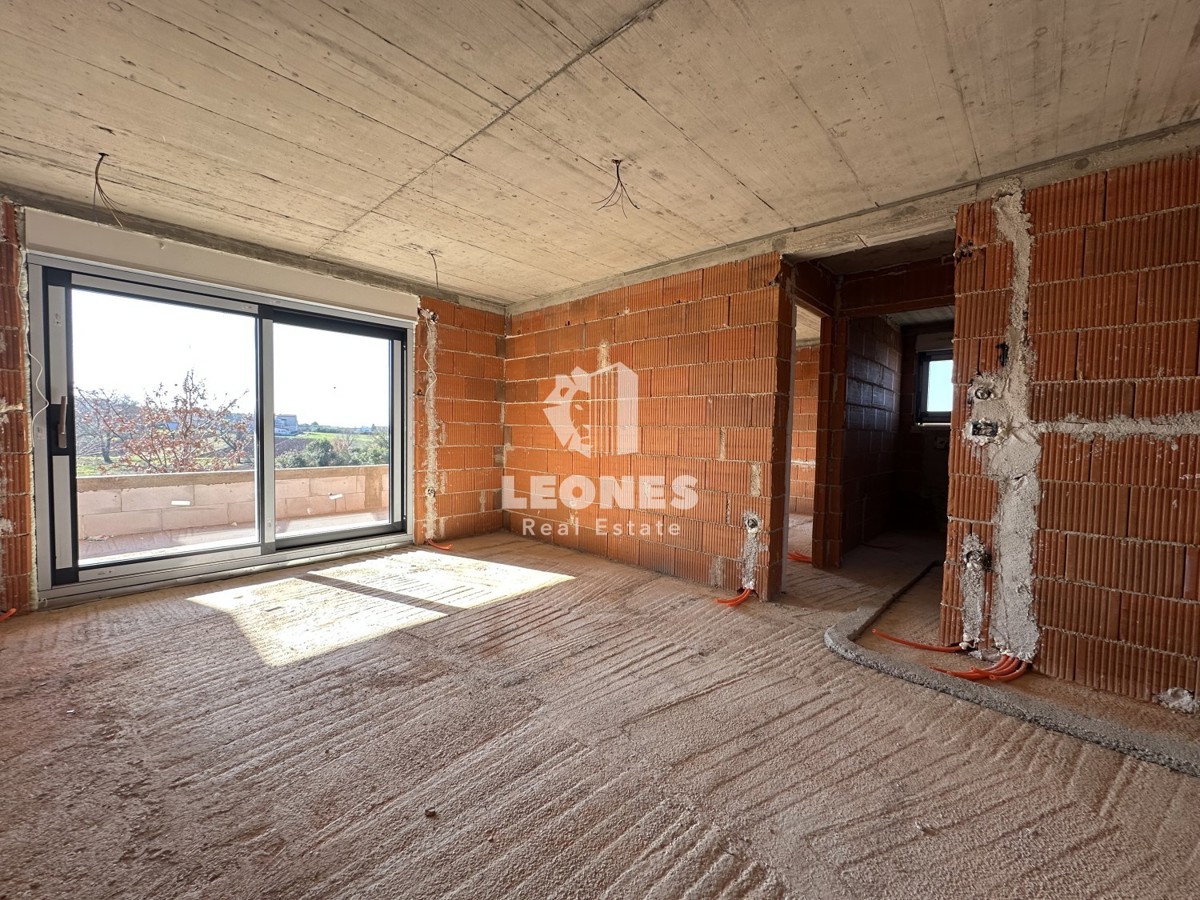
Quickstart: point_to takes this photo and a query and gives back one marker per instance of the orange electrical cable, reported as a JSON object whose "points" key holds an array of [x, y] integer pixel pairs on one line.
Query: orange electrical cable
{"points": [[797, 556], [1012, 675], [734, 601], [1006, 665], [8, 615], [1006, 668], [439, 546], [997, 668], [952, 648]]}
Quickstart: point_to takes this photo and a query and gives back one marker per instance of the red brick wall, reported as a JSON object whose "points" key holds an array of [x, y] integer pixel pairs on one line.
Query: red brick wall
{"points": [[1114, 321], [804, 429], [711, 350], [16, 515], [468, 398]]}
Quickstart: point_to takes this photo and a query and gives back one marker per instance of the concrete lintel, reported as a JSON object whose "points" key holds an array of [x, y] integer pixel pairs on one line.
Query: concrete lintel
{"points": [[166, 231], [902, 219]]}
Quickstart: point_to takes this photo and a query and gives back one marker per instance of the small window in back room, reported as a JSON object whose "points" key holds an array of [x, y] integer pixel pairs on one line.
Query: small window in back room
{"points": [[935, 389]]}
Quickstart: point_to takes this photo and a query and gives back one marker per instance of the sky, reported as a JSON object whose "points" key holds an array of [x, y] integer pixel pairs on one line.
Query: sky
{"points": [[130, 346], [940, 386]]}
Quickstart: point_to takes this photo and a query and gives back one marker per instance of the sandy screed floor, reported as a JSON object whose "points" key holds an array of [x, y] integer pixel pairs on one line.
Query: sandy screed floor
{"points": [[575, 728], [915, 615]]}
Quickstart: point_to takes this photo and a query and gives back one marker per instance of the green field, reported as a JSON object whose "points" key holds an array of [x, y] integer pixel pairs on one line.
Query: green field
{"points": [[330, 436]]}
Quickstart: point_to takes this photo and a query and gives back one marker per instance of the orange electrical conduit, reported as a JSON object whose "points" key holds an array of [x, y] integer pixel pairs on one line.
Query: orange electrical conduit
{"points": [[936, 648], [1013, 674], [740, 598], [1007, 668], [437, 546]]}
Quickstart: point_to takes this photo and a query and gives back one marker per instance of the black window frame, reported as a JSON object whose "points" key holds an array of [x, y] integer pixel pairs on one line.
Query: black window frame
{"points": [[922, 414], [65, 582]]}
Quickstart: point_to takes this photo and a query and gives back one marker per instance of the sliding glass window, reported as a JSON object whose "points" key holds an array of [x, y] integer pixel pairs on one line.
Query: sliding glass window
{"points": [[182, 430]]}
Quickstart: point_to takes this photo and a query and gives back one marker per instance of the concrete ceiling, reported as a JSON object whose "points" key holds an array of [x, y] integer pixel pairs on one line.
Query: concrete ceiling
{"points": [[373, 132], [922, 316]]}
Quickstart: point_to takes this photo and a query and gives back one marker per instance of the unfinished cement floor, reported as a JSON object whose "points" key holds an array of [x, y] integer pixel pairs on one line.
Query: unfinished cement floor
{"points": [[574, 728], [915, 615]]}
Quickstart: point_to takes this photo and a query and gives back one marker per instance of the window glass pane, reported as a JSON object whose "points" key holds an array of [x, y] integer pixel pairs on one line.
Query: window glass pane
{"points": [[939, 390], [332, 439], [165, 405]]}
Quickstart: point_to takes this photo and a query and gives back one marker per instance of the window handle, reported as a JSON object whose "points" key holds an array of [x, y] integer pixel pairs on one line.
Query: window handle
{"points": [[62, 423]]}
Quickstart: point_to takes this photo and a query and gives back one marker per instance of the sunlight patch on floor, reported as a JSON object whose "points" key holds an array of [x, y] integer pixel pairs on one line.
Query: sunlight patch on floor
{"points": [[306, 616], [451, 581]]}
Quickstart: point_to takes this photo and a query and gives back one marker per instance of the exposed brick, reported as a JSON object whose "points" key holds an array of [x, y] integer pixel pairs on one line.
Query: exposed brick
{"points": [[1153, 186], [1148, 351], [1093, 401], [1083, 303], [16, 545], [1169, 295], [713, 399], [1055, 356], [1115, 330], [682, 288], [766, 304], [1067, 204], [983, 315], [470, 385], [1056, 257], [727, 278], [1161, 239], [1091, 508]]}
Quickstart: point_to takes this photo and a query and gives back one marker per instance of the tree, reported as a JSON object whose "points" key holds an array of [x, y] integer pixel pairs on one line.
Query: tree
{"points": [[178, 430], [343, 450], [98, 414]]}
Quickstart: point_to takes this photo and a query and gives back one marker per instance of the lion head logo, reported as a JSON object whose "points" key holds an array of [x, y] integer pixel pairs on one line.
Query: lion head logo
{"points": [[604, 420]]}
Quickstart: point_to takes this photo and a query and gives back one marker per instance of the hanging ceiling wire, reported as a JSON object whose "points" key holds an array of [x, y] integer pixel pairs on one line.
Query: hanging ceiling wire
{"points": [[619, 194], [99, 192], [437, 281]]}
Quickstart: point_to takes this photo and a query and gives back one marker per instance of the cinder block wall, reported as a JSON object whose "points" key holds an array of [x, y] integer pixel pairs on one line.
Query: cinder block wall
{"points": [[458, 437], [711, 349], [804, 429], [1114, 398], [872, 428], [16, 509], [923, 454]]}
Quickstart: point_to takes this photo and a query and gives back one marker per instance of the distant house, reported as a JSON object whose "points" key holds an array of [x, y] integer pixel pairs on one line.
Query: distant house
{"points": [[286, 425]]}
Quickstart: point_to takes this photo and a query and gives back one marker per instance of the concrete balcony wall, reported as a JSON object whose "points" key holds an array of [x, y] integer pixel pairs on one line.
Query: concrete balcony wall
{"points": [[115, 505]]}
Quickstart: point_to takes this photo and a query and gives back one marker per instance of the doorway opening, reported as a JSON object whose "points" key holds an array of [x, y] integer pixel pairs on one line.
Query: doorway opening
{"points": [[802, 482], [882, 374]]}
